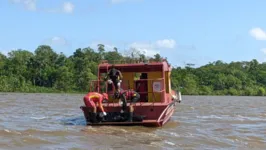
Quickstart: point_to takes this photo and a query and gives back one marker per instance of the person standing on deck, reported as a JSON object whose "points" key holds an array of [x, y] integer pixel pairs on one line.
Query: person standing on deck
{"points": [[131, 95], [114, 76], [94, 97]]}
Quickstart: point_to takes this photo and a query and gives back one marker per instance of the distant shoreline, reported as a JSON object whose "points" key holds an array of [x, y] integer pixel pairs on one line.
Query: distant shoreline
{"points": [[45, 71]]}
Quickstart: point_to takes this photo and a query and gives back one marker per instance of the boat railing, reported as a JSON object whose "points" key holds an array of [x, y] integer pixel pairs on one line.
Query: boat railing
{"points": [[156, 84], [131, 61], [145, 87], [101, 86]]}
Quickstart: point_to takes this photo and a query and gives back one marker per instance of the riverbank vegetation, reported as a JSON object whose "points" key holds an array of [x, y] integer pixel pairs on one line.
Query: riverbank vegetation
{"points": [[44, 70]]}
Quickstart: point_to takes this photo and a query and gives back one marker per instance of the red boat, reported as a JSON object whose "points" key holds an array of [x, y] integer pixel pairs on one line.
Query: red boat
{"points": [[151, 80]]}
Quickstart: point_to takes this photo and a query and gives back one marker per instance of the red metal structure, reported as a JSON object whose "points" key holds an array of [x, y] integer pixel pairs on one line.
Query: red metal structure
{"points": [[151, 80]]}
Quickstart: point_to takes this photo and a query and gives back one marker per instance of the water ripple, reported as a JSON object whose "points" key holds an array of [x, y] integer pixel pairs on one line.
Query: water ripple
{"points": [[54, 121]]}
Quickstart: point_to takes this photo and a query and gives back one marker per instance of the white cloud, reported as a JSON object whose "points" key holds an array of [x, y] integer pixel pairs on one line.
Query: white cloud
{"points": [[263, 50], [149, 52], [59, 40], [28, 4], [121, 1], [258, 33], [147, 48], [68, 7], [141, 45], [150, 49], [109, 47], [56, 40], [166, 43], [4, 52], [144, 48]]}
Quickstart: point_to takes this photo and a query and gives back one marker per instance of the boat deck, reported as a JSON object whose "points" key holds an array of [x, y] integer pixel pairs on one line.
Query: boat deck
{"points": [[115, 104], [144, 122]]}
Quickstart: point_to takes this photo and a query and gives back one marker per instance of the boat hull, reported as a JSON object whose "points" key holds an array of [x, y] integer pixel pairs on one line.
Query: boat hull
{"points": [[145, 114]]}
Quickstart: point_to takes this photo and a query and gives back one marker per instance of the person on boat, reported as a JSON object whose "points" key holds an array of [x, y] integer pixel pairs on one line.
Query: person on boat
{"points": [[114, 76], [94, 97], [131, 95]]}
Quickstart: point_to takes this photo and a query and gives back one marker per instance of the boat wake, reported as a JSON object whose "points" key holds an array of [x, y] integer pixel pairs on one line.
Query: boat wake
{"points": [[80, 120]]}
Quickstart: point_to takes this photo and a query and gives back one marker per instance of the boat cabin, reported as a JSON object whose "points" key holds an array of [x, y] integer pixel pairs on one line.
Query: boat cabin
{"points": [[151, 80]]}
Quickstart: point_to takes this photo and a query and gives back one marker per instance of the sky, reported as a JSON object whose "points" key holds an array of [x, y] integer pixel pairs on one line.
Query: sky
{"points": [[184, 31]]}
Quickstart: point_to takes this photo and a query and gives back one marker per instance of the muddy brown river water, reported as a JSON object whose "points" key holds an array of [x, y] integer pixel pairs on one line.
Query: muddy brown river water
{"points": [[55, 121]]}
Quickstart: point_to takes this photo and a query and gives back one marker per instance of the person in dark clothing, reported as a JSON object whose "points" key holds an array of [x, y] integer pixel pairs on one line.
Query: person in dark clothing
{"points": [[131, 95], [114, 76]]}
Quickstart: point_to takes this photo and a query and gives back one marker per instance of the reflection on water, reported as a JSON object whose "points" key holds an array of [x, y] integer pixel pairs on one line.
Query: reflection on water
{"points": [[55, 121]]}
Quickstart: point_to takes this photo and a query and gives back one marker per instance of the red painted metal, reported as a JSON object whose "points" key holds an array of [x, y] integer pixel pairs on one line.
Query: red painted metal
{"points": [[156, 113]]}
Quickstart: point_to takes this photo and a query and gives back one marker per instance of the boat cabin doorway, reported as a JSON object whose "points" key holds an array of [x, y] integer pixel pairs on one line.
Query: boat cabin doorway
{"points": [[142, 87]]}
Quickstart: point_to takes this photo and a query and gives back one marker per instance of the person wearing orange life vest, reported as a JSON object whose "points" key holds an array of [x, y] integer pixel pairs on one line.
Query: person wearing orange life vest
{"points": [[94, 97], [125, 95]]}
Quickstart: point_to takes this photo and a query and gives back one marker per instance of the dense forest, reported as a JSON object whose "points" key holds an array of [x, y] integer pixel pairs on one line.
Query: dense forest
{"points": [[46, 71]]}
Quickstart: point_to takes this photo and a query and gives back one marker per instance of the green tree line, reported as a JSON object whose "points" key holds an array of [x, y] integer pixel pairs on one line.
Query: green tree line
{"points": [[44, 70], [245, 78]]}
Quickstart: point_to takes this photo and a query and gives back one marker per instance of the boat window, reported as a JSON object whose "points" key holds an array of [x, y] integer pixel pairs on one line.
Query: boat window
{"points": [[144, 76], [137, 76]]}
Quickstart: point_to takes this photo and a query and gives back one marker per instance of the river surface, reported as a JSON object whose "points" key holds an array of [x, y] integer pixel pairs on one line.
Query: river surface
{"points": [[55, 121]]}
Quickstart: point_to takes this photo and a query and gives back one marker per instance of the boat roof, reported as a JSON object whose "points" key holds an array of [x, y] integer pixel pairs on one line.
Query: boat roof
{"points": [[136, 66]]}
